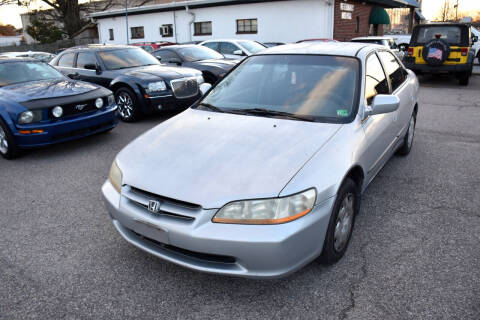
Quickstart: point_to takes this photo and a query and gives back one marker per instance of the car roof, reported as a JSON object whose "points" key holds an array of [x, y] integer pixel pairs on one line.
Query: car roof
{"points": [[99, 47], [350, 49], [6, 59], [176, 46], [231, 40]]}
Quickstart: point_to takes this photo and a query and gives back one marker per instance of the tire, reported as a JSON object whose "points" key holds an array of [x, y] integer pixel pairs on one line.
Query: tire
{"points": [[408, 139], [8, 148], [464, 78], [340, 230], [127, 102]]}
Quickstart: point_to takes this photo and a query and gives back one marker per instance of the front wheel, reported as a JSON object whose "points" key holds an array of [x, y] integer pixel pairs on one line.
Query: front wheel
{"points": [[341, 223], [127, 103], [8, 149], [408, 139]]}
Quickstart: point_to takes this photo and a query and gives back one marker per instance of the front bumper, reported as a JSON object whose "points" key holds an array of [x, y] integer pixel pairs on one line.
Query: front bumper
{"points": [[66, 129], [264, 251], [166, 103]]}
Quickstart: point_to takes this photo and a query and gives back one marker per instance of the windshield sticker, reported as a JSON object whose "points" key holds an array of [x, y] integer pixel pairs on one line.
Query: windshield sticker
{"points": [[342, 113]]}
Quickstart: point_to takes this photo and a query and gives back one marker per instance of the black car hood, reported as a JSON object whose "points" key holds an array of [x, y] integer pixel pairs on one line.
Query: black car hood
{"points": [[45, 89], [159, 71]]}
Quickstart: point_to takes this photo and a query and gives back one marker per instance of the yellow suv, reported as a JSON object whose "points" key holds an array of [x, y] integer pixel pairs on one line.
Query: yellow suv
{"points": [[442, 48]]}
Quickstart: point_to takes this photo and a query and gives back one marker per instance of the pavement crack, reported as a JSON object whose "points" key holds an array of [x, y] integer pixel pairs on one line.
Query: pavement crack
{"points": [[355, 285]]}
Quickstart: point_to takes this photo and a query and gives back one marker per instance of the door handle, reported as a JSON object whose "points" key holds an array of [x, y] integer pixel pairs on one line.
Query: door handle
{"points": [[74, 75]]}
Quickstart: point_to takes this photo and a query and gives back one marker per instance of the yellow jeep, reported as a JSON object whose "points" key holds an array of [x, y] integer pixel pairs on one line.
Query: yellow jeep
{"points": [[442, 48]]}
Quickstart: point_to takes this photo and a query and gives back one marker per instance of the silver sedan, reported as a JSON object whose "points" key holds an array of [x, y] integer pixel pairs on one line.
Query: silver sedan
{"points": [[265, 173]]}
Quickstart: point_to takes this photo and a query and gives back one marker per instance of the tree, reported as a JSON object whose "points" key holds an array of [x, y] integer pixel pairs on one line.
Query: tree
{"points": [[44, 32], [7, 30], [446, 11]]}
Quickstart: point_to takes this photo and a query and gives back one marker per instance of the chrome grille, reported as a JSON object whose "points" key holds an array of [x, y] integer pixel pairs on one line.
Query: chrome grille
{"points": [[185, 87], [168, 207]]}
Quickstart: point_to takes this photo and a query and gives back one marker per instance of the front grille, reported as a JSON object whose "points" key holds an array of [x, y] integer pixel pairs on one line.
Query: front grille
{"points": [[169, 207], [185, 87], [192, 254], [76, 108], [81, 132]]}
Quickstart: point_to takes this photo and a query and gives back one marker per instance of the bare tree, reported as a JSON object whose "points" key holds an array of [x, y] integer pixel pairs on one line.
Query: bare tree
{"points": [[446, 12]]}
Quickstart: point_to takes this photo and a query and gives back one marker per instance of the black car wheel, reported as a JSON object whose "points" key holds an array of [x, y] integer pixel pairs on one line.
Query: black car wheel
{"points": [[341, 223], [127, 104], [409, 135], [8, 149], [464, 78]]}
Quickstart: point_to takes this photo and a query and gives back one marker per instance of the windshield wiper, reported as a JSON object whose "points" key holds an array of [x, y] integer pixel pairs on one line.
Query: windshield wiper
{"points": [[211, 107], [273, 113]]}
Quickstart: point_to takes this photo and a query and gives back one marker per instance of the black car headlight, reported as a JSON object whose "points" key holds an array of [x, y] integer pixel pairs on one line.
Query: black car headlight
{"points": [[30, 116]]}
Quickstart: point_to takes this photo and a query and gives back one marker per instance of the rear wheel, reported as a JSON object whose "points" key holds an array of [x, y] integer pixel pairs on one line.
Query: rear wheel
{"points": [[8, 149], [127, 103], [341, 222], [464, 78]]}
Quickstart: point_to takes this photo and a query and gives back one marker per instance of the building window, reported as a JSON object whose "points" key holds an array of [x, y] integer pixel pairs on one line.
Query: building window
{"points": [[247, 26], [166, 30], [203, 28], [357, 25], [137, 32], [110, 33]]}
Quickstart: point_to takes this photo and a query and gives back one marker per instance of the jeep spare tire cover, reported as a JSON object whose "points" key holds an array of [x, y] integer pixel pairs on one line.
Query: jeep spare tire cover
{"points": [[436, 52]]}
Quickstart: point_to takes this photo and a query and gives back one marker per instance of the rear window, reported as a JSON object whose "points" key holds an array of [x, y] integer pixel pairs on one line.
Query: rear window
{"points": [[449, 34]]}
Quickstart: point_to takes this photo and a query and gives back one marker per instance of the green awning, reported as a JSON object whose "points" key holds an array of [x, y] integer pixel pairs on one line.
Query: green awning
{"points": [[378, 15]]}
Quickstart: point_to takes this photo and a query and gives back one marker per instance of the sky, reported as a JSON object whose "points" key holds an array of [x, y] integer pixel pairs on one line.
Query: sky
{"points": [[11, 14]]}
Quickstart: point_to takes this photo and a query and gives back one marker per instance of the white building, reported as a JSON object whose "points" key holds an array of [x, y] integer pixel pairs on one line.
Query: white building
{"points": [[10, 40], [198, 20]]}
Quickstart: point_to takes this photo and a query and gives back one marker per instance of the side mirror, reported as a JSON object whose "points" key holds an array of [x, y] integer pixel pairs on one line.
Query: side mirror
{"points": [[474, 39], [91, 66], [158, 58], [204, 87], [238, 53], [383, 103], [176, 61]]}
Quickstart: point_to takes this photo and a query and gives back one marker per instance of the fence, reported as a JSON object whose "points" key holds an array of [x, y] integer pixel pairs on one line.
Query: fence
{"points": [[49, 47]]}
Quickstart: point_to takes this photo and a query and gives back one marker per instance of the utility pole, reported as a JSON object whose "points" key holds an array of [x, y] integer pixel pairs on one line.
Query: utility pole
{"points": [[456, 12], [126, 18]]}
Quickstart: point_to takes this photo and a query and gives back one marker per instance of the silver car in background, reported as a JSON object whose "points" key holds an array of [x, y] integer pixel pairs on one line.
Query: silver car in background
{"points": [[265, 173]]}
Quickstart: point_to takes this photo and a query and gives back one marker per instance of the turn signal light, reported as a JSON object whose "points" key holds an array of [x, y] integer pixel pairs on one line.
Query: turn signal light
{"points": [[30, 131], [464, 51], [410, 51]]}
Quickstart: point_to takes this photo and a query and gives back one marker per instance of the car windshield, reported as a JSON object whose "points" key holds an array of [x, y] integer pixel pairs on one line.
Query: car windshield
{"points": [[309, 87], [450, 34], [196, 53], [252, 46], [18, 72], [126, 58]]}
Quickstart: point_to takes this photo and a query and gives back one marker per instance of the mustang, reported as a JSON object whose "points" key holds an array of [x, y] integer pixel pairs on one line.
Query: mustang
{"points": [[39, 106], [261, 177]]}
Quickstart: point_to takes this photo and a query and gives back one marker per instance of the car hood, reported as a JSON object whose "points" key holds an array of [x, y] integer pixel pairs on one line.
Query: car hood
{"points": [[44, 89], [163, 72], [210, 159]]}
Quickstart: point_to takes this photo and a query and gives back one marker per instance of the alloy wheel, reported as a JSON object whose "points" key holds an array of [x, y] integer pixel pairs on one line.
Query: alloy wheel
{"points": [[344, 223], [125, 105], [3, 141]]}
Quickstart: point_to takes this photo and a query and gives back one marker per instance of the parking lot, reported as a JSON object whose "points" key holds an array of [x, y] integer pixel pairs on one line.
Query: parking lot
{"points": [[414, 253]]}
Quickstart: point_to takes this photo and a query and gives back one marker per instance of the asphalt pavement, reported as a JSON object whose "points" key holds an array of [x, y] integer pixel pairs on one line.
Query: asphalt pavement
{"points": [[415, 251]]}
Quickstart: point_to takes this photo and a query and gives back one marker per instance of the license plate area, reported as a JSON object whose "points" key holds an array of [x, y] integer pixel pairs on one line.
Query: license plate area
{"points": [[150, 230]]}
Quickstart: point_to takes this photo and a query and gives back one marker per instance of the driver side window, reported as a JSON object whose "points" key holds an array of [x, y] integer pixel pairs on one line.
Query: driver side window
{"points": [[375, 79], [228, 48]]}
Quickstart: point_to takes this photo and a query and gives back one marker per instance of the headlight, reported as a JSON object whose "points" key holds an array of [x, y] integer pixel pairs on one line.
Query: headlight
{"points": [[115, 177], [156, 87], [99, 103], [30, 116], [267, 211], [200, 79], [111, 100], [57, 111]]}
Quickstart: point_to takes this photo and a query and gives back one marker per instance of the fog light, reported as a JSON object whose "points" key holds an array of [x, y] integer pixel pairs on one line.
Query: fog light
{"points": [[159, 107], [99, 103], [57, 111]]}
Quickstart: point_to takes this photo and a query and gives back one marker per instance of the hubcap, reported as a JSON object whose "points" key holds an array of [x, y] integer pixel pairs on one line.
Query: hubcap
{"points": [[344, 222], [411, 132], [125, 105], [3, 141]]}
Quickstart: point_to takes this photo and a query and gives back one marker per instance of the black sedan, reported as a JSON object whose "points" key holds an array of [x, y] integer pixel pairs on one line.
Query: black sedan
{"points": [[140, 83], [212, 64]]}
